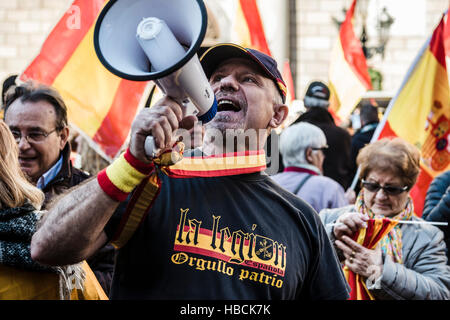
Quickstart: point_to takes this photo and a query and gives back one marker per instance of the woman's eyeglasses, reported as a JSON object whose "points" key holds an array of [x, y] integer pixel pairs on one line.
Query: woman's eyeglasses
{"points": [[390, 190]]}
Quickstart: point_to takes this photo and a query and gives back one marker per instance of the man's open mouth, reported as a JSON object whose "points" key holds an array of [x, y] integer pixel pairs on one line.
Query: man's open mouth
{"points": [[228, 105]]}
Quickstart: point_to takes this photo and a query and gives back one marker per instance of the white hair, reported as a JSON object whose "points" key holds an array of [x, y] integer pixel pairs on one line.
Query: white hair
{"points": [[296, 138]]}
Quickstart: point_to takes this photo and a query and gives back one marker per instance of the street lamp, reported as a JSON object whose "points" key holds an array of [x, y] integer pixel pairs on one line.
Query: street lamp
{"points": [[383, 26]]}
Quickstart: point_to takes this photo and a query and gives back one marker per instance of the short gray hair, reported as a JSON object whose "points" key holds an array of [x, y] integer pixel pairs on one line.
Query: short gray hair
{"points": [[296, 138]]}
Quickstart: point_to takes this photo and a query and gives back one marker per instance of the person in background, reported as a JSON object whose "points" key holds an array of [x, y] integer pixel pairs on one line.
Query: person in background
{"points": [[21, 278], [37, 117], [368, 115], [337, 157], [437, 205], [409, 262], [7, 83], [302, 148]]}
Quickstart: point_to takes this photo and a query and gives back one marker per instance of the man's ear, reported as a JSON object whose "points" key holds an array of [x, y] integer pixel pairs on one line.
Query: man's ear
{"points": [[280, 114], [64, 134]]}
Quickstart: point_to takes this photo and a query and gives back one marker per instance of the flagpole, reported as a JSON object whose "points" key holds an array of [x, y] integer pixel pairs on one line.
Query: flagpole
{"points": [[435, 223]]}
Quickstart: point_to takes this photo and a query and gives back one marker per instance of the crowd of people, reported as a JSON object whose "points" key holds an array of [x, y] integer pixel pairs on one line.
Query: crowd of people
{"points": [[161, 228]]}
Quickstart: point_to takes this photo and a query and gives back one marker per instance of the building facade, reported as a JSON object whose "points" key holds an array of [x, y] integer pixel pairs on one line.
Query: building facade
{"points": [[302, 31]]}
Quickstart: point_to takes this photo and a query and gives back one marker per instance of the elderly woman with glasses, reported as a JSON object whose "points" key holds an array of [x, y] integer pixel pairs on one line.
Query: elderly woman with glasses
{"points": [[301, 146], [409, 262]]}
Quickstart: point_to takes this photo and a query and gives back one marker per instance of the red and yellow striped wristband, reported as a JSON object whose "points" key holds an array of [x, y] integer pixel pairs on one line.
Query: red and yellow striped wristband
{"points": [[123, 175]]}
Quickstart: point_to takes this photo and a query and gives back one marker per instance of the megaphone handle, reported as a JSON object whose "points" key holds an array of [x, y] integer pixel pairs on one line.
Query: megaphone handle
{"points": [[150, 147]]}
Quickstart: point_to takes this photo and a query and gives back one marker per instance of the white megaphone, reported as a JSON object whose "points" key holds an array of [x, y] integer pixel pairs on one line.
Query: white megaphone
{"points": [[157, 40]]}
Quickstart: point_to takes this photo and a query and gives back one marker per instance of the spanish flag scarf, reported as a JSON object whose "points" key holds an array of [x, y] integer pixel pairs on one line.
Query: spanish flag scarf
{"points": [[380, 231], [173, 164]]}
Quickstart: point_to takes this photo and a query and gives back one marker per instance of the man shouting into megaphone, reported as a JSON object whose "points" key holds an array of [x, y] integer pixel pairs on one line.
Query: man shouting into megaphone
{"points": [[207, 223]]}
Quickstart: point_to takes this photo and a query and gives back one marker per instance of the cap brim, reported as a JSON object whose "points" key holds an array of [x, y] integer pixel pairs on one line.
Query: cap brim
{"points": [[217, 54]]}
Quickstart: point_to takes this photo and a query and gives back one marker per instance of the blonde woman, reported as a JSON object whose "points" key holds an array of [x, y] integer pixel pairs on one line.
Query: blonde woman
{"points": [[20, 276]]}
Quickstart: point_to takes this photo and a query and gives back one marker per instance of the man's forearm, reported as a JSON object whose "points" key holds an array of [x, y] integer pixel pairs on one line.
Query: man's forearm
{"points": [[73, 228]]}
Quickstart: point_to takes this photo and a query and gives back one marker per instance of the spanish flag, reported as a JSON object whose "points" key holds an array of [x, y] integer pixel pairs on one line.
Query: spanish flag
{"points": [[369, 238], [100, 105], [348, 75], [420, 112]]}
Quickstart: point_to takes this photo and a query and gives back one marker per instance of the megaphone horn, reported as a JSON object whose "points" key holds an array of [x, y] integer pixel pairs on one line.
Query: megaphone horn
{"points": [[157, 40]]}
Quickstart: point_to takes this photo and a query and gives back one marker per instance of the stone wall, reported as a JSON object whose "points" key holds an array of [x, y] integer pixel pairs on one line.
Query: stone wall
{"points": [[24, 25]]}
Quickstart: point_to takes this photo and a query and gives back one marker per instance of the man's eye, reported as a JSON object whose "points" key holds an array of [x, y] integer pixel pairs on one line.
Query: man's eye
{"points": [[216, 78], [250, 79], [35, 135], [16, 134]]}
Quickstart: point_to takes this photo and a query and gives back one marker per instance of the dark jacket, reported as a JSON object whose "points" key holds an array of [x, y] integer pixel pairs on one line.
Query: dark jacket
{"points": [[337, 157], [437, 205], [102, 263], [360, 139], [66, 178]]}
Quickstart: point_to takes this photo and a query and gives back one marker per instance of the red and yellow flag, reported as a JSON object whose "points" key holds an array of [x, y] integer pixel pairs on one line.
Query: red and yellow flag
{"points": [[100, 105], [287, 77], [420, 113], [368, 238], [249, 26], [348, 75]]}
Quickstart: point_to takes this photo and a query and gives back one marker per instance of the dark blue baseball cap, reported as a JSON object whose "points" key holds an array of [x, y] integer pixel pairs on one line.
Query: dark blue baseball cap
{"points": [[215, 55]]}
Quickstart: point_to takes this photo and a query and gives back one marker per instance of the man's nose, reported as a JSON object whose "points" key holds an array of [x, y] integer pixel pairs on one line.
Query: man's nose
{"points": [[23, 143], [229, 83]]}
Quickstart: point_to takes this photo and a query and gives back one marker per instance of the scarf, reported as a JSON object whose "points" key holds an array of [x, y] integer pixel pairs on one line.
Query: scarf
{"points": [[17, 226], [391, 244], [176, 165]]}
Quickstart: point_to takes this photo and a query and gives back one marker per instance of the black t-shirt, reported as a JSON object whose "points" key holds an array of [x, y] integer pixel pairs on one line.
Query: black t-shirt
{"points": [[236, 237]]}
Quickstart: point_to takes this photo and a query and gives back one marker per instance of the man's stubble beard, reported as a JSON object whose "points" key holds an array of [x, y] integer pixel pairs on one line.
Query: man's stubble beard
{"points": [[222, 122]]}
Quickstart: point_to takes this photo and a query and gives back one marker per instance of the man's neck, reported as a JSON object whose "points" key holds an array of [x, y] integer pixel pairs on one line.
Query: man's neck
{"points": [[50, 174]]}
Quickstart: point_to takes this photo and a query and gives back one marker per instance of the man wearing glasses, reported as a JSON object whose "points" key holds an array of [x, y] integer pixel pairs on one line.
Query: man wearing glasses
{"points": [[37, 117], [302, 147]]}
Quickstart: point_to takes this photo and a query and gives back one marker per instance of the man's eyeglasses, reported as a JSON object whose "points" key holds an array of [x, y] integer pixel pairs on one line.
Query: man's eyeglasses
{"points": [[390, 190], [32, 137], [325, 147]]}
